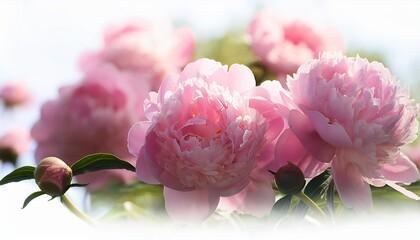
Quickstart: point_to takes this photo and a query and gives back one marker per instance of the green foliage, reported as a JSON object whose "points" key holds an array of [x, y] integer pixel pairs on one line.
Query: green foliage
{"points": [[19, 174], [32, 197], [135, 201], [100, 161]]}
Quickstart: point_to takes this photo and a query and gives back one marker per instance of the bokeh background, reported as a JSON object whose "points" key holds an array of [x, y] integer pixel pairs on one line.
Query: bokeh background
{"points": [[42, 40]]}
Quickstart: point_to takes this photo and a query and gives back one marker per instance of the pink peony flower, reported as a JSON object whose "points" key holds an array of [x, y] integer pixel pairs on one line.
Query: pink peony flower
{"points": [[14, 94], [283, 44], [14, 143], [92, 116], [150, 49], [204, 141], [353, 115]]}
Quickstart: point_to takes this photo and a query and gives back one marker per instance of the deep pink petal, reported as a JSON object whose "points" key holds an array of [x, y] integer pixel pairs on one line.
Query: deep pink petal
{"points": [[137, 136], [290, 149], [333, 133], [190, 207], [310, 139], [354, 192], [403, 170], [256, 199]]}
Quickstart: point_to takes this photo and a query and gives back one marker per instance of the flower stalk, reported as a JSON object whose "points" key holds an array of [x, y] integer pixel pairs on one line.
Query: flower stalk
{"points": [[311, 204], [76, 211]]}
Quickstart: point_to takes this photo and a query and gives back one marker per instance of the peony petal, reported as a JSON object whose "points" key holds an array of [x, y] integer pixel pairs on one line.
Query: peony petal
{"points": [[137, 136], [352, 189], [403, 170], [143, 170], [333, 133], [402, 190], [310, 139], [256, 199], [290, 149], [241, 78], [190, 207]]}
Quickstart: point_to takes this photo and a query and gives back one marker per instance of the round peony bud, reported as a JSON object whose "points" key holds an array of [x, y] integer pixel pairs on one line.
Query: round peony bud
{"points": [[53, 176], [289, 179]]}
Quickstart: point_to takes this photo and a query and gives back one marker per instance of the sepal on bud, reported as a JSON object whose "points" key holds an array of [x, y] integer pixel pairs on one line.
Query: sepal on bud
{"points": [[289, 179]]}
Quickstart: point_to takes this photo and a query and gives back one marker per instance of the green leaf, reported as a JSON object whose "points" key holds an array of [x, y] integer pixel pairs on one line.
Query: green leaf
{"points": [[31, 197], [100, 161], [315, 189], [280, 208], [19, 174]]}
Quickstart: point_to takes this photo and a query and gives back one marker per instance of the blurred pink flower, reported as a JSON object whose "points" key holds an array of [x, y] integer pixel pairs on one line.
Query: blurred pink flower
{"points": [[283, 44], [92, 116], [353, 115], [204, 141], [14, 143], [150, 49], [14, 94]]}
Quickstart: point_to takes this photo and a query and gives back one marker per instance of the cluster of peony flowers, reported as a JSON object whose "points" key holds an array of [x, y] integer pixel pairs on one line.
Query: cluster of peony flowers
{"points": [[95, 114], [211, 137]]}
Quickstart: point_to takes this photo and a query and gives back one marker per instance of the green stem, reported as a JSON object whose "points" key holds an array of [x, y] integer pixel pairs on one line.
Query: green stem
{"points": [[70, 206], [311, 204]]}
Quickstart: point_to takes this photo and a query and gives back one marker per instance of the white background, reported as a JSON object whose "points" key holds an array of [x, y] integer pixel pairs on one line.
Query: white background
{"points": [[41, 41]]}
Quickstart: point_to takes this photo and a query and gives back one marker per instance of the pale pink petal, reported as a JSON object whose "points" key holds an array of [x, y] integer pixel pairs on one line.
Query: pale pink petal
{"points": [[241, 78], [403, 170], [202, 68], [353, 190], [402, 190], [333, 133], [137, 136], [189, 207], [290, 149], [256, 199], [303, 128], [143, 170]]}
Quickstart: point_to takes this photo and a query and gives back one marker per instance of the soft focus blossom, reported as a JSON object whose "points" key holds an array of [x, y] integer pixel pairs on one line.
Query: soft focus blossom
{"points": [[353, 115], [150, 49], [14, 143], [283, 44], [204, 141], [92, 116], [14, 94], [53, 176]]}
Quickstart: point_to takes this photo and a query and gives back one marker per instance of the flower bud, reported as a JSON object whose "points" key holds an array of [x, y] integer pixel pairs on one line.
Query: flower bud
{"points": [[53, 176], [14, 94], [289, 179]]}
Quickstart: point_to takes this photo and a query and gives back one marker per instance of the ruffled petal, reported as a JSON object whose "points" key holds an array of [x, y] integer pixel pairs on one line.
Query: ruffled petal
{"points": [[354, 192], [290, 149], [256, 199], [403, 170], [143, 171], [333, 133], [190, 207], [310, 139], [137, 136], [241, 78]]}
